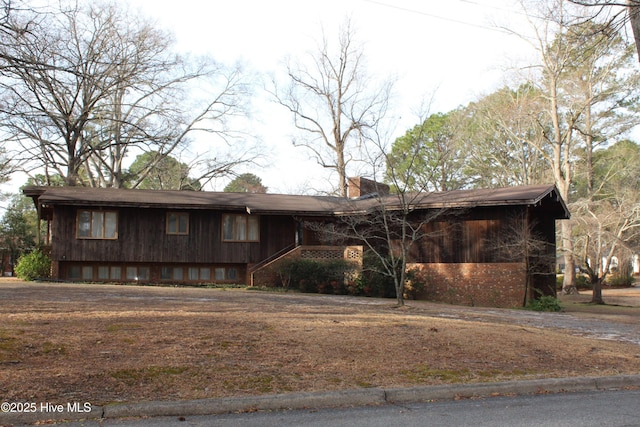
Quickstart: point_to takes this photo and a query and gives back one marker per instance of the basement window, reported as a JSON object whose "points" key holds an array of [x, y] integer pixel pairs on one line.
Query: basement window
{"points": [[226, 274], [137, 273]]}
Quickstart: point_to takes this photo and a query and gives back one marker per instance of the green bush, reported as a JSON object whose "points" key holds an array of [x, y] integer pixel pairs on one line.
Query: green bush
{"points": [[34, 265], [375, 283], [308, 275], [356, 286], [582, 282], [328, 277], [414, 286], [620, 281], [544, 303]]}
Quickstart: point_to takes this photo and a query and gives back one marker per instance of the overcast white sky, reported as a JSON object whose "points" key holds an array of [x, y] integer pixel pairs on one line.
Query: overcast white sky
{"points": [[446, 49]]}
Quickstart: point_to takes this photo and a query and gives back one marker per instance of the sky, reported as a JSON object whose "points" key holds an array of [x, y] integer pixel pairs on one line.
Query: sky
{"points": [[442, 53]]}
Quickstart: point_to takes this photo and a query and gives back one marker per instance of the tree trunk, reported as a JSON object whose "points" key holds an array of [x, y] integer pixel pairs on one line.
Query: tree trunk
{"points": [[634, 18], [569, 282], [399, 282], [597, 291], [399, 297], [342, 174]]}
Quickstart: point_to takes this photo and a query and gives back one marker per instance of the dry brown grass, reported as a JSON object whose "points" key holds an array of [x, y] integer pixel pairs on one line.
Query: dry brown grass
{"points": [[102, 344]]}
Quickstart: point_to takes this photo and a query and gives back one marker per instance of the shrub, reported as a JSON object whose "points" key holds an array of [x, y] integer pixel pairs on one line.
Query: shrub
{"points": [[33, 265], [414, 284], [375, 283], [620, 281], [544, 303], [315, 276], [582, 282], [356, 286]]}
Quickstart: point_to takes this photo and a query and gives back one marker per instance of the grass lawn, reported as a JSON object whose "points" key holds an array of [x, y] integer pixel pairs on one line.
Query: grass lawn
{"points": [[105, 343]]}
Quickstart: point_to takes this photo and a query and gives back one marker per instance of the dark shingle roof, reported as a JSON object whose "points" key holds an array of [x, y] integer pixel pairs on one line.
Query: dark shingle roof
{"points": [[292, 204]]}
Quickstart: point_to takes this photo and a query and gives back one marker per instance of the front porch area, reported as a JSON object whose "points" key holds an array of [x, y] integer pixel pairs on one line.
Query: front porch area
{"points": [[268, 274]]}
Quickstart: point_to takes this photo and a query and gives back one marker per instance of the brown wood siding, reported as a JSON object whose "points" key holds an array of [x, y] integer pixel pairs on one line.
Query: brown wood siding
{"points": [[142, 238], [543, 282], [471, 237]]}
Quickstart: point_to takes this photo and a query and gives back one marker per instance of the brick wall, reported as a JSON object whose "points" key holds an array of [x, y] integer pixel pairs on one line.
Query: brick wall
{"points": [[358, 187], [488, 284]]}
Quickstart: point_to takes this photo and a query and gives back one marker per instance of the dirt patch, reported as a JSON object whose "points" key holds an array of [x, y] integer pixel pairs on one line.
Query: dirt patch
{"points": [[103, 343]]}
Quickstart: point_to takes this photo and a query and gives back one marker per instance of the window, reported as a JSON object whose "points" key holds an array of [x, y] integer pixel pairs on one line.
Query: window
{"points": [[199, 273], [177, 223], [240, 228], [100, 272], [106, 272], [205, 273], [87, 272], [115, 272], [97, 225], [74, 272], [172, 273], [137, 273], [226, 273]]}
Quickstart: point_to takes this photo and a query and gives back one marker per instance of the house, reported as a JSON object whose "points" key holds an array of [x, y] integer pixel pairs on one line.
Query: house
{"points": [[122, 235]]}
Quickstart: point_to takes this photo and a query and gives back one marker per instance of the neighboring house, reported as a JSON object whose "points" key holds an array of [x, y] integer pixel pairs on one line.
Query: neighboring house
{"points": [[120, 235]]}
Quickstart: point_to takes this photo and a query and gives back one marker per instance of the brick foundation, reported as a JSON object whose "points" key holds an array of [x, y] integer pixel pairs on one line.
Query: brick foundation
{"points": [[487, 285]]}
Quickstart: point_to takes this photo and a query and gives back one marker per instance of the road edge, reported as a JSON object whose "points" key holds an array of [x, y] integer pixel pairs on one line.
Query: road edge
{"points": [[330, 399]]}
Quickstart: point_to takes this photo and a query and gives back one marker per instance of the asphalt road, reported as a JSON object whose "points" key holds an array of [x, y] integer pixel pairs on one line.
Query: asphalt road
{"points": [[605, 408]]}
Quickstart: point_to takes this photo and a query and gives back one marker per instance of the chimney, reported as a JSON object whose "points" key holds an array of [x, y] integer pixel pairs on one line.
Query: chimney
{"points": [[359, 187]]}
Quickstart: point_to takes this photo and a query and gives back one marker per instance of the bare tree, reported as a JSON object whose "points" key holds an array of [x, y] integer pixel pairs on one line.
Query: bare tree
{"points": [[334, 103], [559, 117], [522, 240], [605, 86], [88, 84], [607, 219], [577, 78], [607, 226], [388, 229], [501, 132], [633, 9], [394, 223], [9, 28], [617, 13]]}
